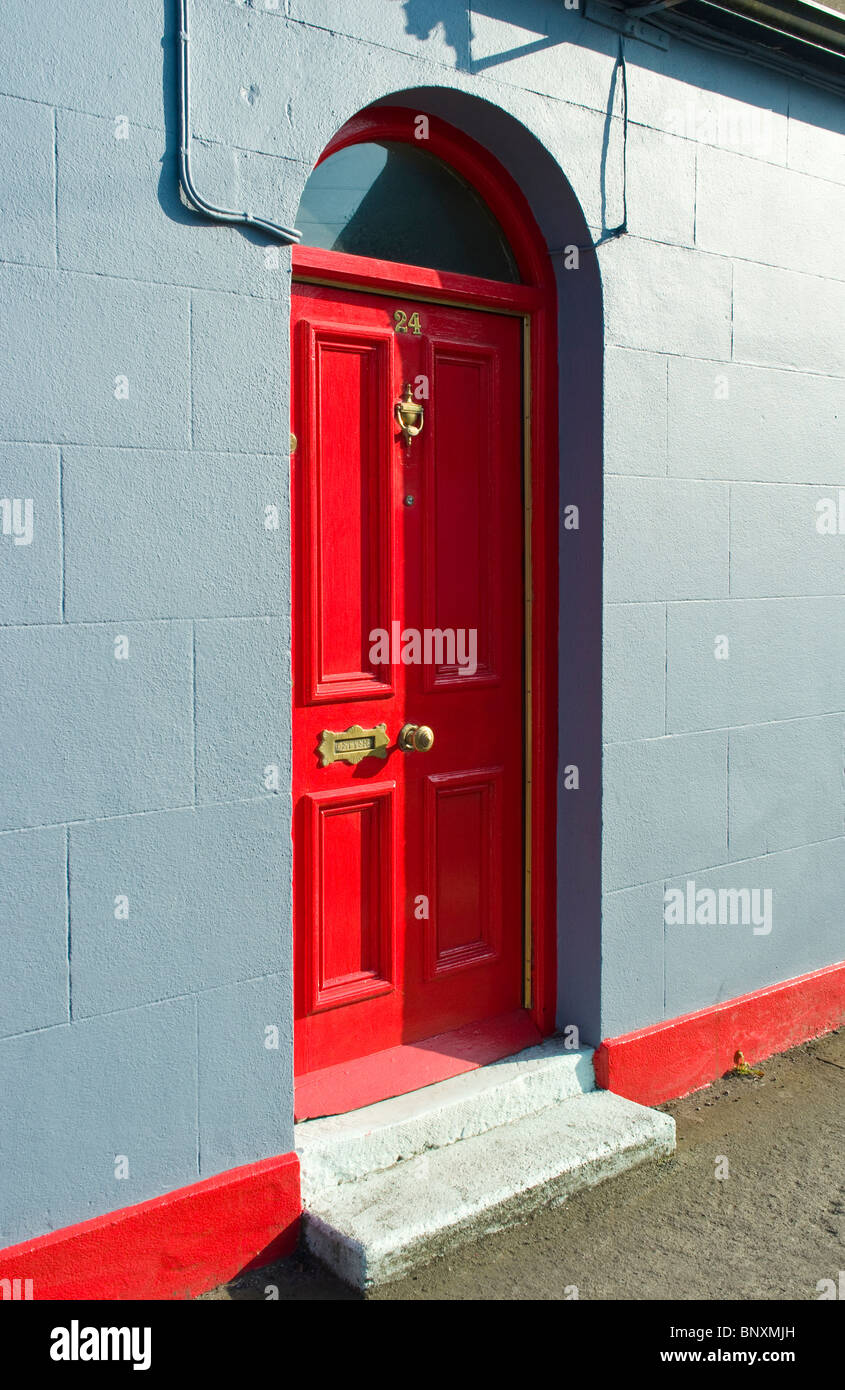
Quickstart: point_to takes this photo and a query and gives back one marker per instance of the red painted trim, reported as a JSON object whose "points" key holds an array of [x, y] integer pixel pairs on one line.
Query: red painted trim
{"points": [[411, 1066], [313, 263], [682, 1055], [536, 297], [172, 1247]]}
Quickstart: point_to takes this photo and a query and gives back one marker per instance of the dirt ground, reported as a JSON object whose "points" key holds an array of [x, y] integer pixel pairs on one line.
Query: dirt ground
{"points": [[771, 1229]]}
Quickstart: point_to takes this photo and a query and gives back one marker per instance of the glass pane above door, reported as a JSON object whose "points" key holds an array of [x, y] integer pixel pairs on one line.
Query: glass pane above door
{"points": [[393, 202]]}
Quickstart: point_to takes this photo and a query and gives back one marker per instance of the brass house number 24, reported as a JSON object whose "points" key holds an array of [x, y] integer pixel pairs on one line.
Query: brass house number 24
{"points": [[402, 323]]}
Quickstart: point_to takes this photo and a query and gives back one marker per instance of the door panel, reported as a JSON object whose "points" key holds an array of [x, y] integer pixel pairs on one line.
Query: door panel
{"points": [[349, 517], [351, 927], [463, 835], [461, 507], [408, 868]]}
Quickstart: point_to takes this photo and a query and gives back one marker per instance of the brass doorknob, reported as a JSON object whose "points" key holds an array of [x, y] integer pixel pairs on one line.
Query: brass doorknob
{"points": [[415, 738]]}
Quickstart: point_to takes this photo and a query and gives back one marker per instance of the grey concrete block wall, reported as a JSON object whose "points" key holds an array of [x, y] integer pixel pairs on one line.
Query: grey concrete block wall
{"points": [[788, 318], [144, 937], [111, 1120], [730, 421], [31, 580], [146, 373], [239, 733], [33, 930], [159, 541], [703, 961], [176, 902], [756, 677], [28, 232], [91, 360]]}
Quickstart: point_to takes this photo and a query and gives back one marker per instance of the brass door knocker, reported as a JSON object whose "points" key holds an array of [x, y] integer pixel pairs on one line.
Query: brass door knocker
{"points": [[409, 414]]}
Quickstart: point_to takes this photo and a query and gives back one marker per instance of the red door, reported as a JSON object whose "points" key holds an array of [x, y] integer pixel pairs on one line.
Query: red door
{"points": [[408, 862]]}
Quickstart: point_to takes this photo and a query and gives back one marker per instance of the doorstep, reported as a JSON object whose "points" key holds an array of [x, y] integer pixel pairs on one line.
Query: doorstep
{"points": [[393, 1185]]}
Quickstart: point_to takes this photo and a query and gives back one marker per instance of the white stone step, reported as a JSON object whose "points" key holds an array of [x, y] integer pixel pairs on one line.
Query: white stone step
{"points": [[345, 1148], [382, 1225]]}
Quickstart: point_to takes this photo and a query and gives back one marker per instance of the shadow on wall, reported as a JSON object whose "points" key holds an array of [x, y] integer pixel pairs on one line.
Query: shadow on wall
{"points": [[422, 17]]}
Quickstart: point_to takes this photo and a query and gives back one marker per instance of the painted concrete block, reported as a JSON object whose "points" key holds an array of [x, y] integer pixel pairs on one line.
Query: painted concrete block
{"points": [[157, 534], [665, 538], [777, 548], [664, 808], [816, 132], [786, 785], [710, 98], [30, 534], [239, 373], [634, 671], [242, 708], [754, 423], [635, 412], [112, 60], [172, 903], [243, 92], [632, 959], [785, 319], [145, 231], [776, 216], [666, 298], [266, 186], [33, 931], [245, 1071], [94, 735], [27, 195], [707, 964], [92, 360], [661, 186], [785, 660], [122, 1087]]}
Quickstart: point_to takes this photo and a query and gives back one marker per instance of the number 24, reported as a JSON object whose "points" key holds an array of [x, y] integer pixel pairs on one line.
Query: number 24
{"points": [[403, 323]]}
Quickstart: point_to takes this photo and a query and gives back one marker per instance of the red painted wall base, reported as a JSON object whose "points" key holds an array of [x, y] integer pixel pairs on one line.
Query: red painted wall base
{"points": [[671, 1059], [172, 1247]]}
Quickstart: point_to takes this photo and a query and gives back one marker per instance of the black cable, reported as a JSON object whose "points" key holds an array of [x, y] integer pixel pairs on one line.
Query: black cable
{"points": [[613, 232]]}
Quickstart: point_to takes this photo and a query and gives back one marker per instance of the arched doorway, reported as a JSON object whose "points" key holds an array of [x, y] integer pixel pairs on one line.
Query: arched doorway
{"points": [[425, 416]]}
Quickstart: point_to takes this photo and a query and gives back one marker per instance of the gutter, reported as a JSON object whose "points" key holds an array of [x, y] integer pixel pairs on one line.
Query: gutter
{"points": [[803, 38], [800, 19]]}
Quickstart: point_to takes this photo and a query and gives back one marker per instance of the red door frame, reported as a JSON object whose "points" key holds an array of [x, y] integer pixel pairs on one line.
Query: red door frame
{"points": [[535, 300]]}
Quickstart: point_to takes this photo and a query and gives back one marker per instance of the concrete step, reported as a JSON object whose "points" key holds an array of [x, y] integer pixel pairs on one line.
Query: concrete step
{"points": [[344, 1148], [383, 1224]]}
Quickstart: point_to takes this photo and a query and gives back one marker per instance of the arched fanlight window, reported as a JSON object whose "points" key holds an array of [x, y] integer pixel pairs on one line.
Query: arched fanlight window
{"points": [[394, 202]]}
